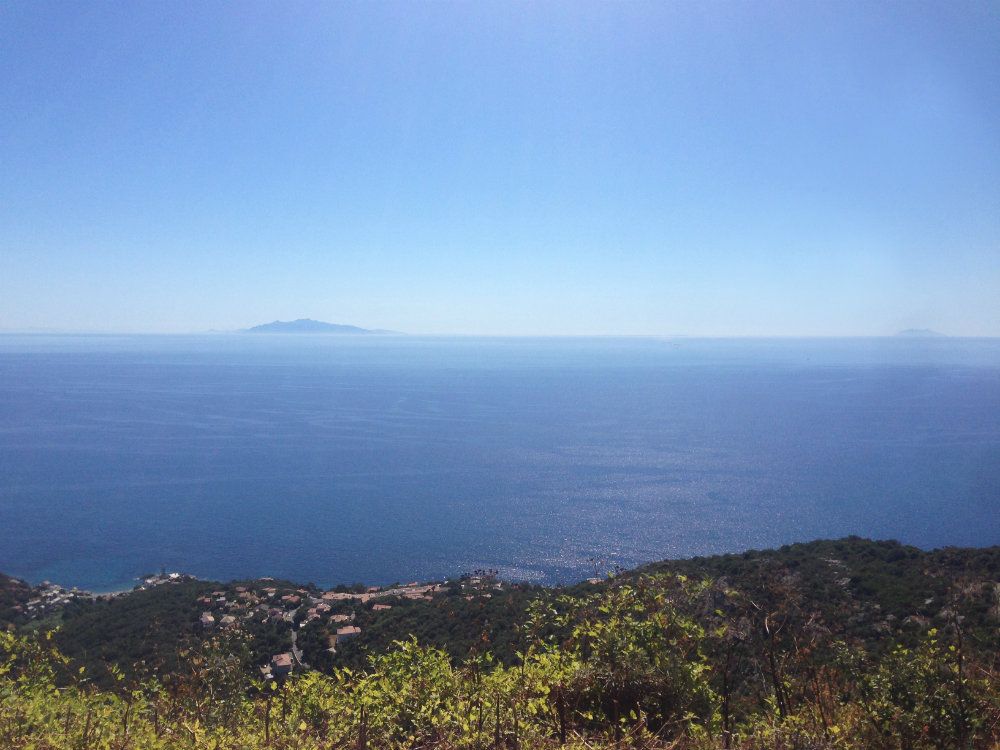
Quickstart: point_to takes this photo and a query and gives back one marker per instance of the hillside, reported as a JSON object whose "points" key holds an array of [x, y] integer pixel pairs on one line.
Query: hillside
{"points": [[847, 644], [877, 592], [14, 596]]}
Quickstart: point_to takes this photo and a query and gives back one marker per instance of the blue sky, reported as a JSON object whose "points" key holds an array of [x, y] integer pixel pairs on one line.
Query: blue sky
{"points": [[703, 168]]}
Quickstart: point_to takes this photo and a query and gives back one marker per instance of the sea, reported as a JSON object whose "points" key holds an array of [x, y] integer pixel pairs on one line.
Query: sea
{"points": [[341, 459]]}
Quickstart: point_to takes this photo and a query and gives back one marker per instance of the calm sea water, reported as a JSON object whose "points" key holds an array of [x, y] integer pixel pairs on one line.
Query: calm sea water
{"points": [[333, 459]]}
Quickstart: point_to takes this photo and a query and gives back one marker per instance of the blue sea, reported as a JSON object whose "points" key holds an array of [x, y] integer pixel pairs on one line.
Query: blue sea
{"points": [[378, 459]]}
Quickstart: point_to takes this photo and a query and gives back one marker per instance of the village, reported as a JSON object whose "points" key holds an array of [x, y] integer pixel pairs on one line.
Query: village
{"points": [[287, 626], [332, 612], [48, 599], [284, 607]]}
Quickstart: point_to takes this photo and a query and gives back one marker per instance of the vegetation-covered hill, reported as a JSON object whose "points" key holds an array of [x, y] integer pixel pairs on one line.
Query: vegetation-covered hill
{"points": [[833, 644], [14, 595], [877, 592], [869, 589]]}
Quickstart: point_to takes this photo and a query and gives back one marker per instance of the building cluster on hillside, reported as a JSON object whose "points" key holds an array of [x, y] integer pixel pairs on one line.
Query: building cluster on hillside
{"points": [[48, 598], [332, 610], [297, 608], [301, 606], [163, 578], [266, 601]]}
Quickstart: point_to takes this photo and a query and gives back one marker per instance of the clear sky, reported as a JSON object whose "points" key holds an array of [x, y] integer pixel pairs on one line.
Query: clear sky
{"points": [[709, 168]]}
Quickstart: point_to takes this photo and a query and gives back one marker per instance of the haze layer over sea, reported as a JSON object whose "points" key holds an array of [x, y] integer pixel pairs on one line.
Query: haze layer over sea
{"points": [[338, 459]]}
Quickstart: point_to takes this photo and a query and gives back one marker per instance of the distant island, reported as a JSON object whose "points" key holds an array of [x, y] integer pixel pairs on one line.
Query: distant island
{"points": [[915, 333], [305, 325]]}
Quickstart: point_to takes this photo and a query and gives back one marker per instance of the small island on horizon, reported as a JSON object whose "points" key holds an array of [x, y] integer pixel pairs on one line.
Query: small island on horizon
{"points": [[921, 333], [307, 325]]}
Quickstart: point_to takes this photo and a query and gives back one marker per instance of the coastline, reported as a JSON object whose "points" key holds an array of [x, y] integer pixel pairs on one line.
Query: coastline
{"points": [[141, 583]]}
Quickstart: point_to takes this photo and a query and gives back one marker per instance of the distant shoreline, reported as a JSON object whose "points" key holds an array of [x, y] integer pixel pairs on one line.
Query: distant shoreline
{"points": [[159, 579]]}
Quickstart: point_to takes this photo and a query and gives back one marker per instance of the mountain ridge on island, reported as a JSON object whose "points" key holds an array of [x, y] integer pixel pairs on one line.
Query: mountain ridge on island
{"points": [[307, 325]]}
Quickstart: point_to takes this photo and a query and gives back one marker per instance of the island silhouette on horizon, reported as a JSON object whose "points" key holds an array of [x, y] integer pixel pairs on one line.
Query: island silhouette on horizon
{"points": [[926, 333], [307, 325]]}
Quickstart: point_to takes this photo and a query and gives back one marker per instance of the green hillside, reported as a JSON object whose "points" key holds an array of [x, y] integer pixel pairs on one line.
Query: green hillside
{"points": [[830, 644]]}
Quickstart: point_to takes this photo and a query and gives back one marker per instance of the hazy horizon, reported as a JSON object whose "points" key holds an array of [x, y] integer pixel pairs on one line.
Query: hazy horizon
{"points": [[931, 334], [501, 169]]}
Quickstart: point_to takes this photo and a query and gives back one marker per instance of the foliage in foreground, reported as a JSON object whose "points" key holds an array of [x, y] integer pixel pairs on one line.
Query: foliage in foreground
{"points": [[658, 661]]}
